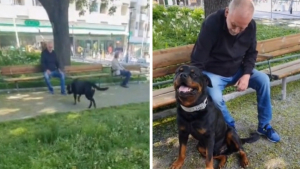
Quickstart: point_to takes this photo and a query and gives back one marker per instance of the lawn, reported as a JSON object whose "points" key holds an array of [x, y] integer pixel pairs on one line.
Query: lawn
{"points": [[262, 154], [108, 138]]}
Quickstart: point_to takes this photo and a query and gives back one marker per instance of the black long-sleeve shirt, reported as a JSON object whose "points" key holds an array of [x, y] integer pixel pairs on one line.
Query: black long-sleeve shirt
{"points": [[218, 52], [49, 61]]}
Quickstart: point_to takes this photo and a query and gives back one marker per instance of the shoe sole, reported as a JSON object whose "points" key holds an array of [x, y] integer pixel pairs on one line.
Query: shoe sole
{"points": [[266, 137]]}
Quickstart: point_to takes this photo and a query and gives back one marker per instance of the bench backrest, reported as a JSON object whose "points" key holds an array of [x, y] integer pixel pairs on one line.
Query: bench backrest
{"points": [[274, 44], [166, 61], [83, 68], [17, 70], [136, 68]]}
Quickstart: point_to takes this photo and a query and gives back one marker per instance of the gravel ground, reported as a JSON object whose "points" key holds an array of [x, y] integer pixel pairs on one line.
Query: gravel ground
{"points": [[261, 154]]}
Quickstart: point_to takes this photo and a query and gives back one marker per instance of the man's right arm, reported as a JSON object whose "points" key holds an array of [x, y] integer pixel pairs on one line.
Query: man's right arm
{"points": [[43, 61], [204, 44]]}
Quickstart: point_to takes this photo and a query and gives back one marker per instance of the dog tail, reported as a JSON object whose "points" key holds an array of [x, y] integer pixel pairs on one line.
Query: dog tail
{"points": [[253, 138], [99, 88]]}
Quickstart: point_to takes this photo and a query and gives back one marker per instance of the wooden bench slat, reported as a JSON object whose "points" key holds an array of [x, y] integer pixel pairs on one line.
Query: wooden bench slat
{"points": [[165, 71], [90, 75], [284, 42], [290, 70], [164, 100], [17, 70], [281, 66], [162, 91], [268, 45], [172, 50], [22, 79], [172, 58]]}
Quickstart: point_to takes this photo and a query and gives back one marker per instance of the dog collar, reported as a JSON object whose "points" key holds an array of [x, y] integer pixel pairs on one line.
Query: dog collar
{"points": [[200, 106]]}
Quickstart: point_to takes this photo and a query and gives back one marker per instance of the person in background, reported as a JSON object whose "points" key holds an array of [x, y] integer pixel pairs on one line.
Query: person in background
{"points": [[118, 69], [50, 67]]}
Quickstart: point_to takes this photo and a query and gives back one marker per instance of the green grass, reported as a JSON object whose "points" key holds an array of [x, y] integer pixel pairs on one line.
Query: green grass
{"points": [[108, 138]]}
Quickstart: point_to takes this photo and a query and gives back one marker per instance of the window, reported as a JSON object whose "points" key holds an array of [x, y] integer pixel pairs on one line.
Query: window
{"points": [[37, 3], [94, 6], [103, 8], [19, 2], [124, 10]]}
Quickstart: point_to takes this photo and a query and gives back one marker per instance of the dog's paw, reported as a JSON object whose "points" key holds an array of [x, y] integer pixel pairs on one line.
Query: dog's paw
{"points": [[177, 164], [244, 163]]}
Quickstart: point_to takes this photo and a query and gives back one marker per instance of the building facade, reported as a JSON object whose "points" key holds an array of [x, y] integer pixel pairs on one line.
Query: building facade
{"points": [[25, 23], [139, 27]]}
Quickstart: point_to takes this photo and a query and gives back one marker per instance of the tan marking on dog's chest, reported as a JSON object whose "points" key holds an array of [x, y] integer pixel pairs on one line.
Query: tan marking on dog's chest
{"points": [[181, 127], [201, 131]]}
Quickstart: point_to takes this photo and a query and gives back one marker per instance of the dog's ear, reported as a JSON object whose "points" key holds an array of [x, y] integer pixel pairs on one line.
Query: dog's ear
{"points": [[207, 80]]}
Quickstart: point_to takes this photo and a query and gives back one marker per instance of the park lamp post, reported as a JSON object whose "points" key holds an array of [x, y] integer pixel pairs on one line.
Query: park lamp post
{"points": [[128, 37]]}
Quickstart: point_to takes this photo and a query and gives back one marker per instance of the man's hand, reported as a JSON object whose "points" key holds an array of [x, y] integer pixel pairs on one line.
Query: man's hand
{"points": [[242, 83], [48, 72]]}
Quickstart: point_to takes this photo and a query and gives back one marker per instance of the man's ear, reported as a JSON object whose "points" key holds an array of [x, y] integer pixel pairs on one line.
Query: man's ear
{"points": [[208, 81], [226, 11]]}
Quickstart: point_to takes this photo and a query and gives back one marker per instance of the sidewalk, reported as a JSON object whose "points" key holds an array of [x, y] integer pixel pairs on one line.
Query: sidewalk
{"points": [[31, 104]]}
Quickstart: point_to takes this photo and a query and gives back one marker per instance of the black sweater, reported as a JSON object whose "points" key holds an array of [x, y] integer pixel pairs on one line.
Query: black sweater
{"points": [[218, 52], [49, 61]]}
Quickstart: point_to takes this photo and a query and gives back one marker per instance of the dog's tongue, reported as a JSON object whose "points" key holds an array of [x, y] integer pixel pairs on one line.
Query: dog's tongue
{"points": [[184, 89]]}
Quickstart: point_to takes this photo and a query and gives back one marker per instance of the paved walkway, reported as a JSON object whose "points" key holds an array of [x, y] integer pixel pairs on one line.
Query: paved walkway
{"points": [[29, 104]]}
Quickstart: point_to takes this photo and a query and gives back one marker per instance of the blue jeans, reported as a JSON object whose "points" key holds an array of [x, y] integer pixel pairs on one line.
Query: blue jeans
{"points": [[127, 75], [55, 74], [259, 81]]}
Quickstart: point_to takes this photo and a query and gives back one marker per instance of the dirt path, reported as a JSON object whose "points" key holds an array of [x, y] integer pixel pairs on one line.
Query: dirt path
{"points": [[30, 104], [262, 154]]}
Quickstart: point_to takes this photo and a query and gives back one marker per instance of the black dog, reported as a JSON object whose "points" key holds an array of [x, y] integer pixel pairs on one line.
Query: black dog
{"points": [[87, 88], [197, 115]]}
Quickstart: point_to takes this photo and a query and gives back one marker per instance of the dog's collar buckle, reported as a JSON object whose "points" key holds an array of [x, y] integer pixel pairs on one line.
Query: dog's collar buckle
{"points": [[200, 106]]}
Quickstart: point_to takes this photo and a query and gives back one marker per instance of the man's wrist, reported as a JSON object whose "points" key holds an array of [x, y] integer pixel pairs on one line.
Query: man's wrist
{"points": [[247, 75]]}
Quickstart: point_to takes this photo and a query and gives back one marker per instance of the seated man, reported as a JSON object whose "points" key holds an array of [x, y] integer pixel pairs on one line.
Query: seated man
{"points": [[118, 69], [50, 68], [226, 52]]}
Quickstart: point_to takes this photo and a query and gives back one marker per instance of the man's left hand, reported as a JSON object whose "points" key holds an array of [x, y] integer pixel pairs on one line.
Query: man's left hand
{"points": [[242, 83]]}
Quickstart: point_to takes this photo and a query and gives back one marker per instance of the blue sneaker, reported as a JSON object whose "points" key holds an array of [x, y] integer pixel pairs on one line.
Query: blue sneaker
{"points": [[51, 92], [269, 132]]}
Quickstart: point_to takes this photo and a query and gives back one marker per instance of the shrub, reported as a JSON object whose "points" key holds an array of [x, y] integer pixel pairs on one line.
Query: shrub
{"points": [[16, 57]]}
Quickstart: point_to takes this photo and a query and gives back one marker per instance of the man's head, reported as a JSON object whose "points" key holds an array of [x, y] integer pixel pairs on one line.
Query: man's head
{"points": [[117, 55], [50, 46], [238, 15]]}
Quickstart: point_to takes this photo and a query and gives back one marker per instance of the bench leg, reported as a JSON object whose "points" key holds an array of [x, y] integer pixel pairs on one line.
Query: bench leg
{"points": [[283, 89], [17, 86], [7, 87]]}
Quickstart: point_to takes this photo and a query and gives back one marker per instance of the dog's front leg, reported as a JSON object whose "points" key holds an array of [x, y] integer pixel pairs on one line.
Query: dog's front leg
{"points": [[209, 161], [183, 138], [74, 98]]}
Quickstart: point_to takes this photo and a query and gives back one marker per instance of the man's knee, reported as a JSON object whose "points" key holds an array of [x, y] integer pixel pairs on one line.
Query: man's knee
{"points": [[62, 75], [262, 78], [46, 76]]}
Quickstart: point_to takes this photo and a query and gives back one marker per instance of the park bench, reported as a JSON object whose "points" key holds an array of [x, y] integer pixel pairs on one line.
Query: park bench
{"points": [[166, 61], [136, 70], [16, 74]]}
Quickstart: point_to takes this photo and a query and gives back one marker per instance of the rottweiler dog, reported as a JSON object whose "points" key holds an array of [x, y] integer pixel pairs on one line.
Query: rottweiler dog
{"points": [[197, 115], [87, 88]]}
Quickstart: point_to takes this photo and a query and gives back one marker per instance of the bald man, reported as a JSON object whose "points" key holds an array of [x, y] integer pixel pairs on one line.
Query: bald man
{"points": [[50, 66], [226, 52]]}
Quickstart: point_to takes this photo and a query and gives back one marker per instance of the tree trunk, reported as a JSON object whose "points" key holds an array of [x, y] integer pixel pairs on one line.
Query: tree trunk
{"points": [[211, 6], [58, 13]]}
